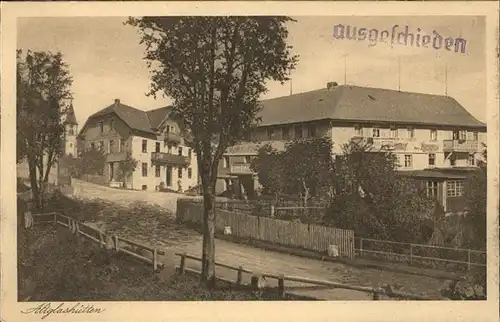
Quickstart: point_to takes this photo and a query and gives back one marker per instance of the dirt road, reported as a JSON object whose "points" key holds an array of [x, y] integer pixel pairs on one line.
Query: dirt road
{"points": [[123, 197], [173, 238]]}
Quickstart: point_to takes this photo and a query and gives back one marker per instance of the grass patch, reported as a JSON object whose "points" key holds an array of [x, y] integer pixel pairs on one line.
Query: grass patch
{"points": [[54, 265]]}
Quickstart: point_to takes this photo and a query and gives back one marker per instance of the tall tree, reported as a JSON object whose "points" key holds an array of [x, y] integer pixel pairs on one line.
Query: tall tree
{"points": [[475, 195], [43, 90], [215, 69], [373, 199], [269, 166], [308, 167]]}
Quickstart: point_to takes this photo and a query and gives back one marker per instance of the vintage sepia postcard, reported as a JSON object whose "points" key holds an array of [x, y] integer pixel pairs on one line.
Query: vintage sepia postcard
{"points": [[249, 161]]}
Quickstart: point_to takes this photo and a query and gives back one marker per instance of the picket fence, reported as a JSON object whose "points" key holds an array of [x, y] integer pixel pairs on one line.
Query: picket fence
{"points": [[288, 233]]}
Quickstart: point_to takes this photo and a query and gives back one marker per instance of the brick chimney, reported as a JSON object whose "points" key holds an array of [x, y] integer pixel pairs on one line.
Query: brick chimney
{"points": [[117, 101], [331, 85]]}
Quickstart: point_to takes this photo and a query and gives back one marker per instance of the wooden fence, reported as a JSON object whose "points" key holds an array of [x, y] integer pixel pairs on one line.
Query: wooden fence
{"points": [[144, 253], [288, 233], [425, 255], [376, 292]]}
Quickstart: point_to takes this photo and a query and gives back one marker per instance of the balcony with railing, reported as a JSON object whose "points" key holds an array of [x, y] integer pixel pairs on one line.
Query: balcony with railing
{"points": [[116, 156], [241, 168], [169, 158], [378, 143], [460, 146], [172, 137]]}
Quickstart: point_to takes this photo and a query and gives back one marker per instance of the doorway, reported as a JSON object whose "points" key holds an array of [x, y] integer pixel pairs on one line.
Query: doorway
{"points": [[111, 171], [169, 176]]}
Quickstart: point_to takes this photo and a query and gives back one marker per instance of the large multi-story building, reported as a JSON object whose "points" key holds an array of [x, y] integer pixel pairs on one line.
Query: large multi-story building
{"points": [[153, 138], [433, 137]]}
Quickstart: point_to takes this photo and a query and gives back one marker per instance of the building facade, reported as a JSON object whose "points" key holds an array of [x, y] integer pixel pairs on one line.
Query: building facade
{"points": [[153, 138], [429, 133]]}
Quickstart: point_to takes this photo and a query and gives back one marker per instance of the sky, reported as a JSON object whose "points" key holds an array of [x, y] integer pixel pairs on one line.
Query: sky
{"points": [[106, 58]]}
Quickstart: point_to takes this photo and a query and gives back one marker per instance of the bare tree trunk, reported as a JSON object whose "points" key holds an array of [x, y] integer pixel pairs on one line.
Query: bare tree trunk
{"points": [[208, 251], [34, 183]]}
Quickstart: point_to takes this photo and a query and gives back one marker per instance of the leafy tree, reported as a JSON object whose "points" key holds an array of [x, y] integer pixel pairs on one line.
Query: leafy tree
{"points": [[214, 69], [93, 161], [269, 166], [126, 167], [374, 200], [308, 166], [475, 195], [43, 87]]}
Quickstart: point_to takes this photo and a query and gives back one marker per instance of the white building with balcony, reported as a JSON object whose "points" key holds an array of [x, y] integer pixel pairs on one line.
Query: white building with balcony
{"points": [[426, 132], [153, 138]]}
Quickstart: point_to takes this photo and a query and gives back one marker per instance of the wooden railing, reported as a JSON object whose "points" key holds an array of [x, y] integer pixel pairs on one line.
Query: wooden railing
{"points": [[144, 253], [376, 292]]}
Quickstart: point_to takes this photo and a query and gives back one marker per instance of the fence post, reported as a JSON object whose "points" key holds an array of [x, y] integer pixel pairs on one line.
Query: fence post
{"points": [[272, 211], [155, 261], [468, 259], [361, 247], [281, 286], [115, 237], [239, 277], [182, 268]]}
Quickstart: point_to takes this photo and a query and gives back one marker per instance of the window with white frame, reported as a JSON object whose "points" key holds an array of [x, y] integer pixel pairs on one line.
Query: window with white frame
{"points": [[462, 135], [358, 130], [144, 146], [285, 133], [298, 131], [433, 135], [376, 132], [270, 133], [311, 130], [408, 160], [248, 159], [471, 159], [157, 171], [411, 133], [432, 159], [190, 173], [394, 132], [144, 169], [432, 189], [475, 136], [455, 188]]}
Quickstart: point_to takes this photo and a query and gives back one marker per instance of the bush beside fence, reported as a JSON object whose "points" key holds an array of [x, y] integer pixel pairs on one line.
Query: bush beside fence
{"points": [[288, 233]]}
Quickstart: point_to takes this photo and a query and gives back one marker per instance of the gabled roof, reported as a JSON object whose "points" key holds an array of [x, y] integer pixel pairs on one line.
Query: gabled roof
{"points": [[365, 104], [157, 116], [70, 116], [136, 119]]}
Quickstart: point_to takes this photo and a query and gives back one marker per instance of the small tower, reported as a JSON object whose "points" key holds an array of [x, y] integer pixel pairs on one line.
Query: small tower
{"points": [[71, 132]]}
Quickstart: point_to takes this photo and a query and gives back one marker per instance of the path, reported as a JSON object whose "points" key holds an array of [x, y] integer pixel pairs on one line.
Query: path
{"points": [[160, 230], [259, 260]]}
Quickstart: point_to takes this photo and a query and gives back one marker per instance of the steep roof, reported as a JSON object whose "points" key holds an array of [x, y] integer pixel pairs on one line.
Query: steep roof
{"points": [[365, 104], [70, 116], [135, 118], [157, 116]]}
